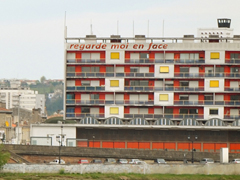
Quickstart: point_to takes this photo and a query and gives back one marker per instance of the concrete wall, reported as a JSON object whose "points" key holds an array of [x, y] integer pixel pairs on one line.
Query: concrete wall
{"points": [[226, 169]]}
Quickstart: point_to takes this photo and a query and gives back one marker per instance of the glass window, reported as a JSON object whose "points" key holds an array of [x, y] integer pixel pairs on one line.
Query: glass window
{"points": [[114, 83], [184, 69], [144, 55], [94, 96], [208, 97], [213, 111], [70, 109], [168, 110], [115, 55], [85, 83], [70, 96], [109, 69], [184, 83], [85, 109], [134, 69], [183, 111], [183, 97], [86, 69], [235, 55], [70, 69]]}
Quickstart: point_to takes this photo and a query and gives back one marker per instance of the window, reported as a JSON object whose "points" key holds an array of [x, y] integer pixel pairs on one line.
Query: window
{"points": [[114, 55], [235, 56], [184, 69], [164, 69], [70, 96], [85, 109], [85, 83], [163, 97], [168, 111], [94, 96], [90, 69], [114, 83], [114, 110], [70, 69], [144, 55], [214, 83], [109, 69], [138, 83], [183, 97], [214, 55], [188, 111], [213, 111], [208, 97], [184, 83], [134, 69]]}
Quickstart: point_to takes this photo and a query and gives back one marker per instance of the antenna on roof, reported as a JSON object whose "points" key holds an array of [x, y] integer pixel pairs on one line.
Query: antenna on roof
{"points": [[133, 28], [91, 32]]}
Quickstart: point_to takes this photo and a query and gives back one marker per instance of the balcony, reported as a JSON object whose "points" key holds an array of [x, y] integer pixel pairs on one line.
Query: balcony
{"points": [[82, 115], [134, 74], [232, 117], [134, 102], [232, 61], [86, 88], [174, 61], [89, 74], [206, 102], [232, 89], [169, 88], [194, 75], [90, 102], [85, 61]]}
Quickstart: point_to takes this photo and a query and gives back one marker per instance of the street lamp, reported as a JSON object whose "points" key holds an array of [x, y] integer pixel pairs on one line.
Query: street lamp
{"points": [[18, 119], [60, 139], [189, 138]]}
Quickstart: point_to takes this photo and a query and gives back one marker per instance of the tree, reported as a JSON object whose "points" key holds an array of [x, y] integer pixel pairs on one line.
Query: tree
{"points": [[43, 78], [4, 156]]}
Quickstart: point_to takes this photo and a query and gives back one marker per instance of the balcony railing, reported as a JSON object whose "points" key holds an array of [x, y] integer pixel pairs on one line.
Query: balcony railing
{"points": [[207, 102], [85, 61], [174, 61], [178, 88], [82, 115], [232, 117], [90, 74], [233, 61], [99, 101], [86, 88], [134, 74], [187, 74]]}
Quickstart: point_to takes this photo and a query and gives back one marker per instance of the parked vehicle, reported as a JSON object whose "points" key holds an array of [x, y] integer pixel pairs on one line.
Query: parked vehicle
{"points": [[135, 161], [96, 161], [206, 161], [56, 161], [83, 161], [123, 161], [160, 161], [110, 160], [235, 161]]}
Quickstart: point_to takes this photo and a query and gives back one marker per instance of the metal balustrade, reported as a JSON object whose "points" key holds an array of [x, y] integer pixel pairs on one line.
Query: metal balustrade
{"points": [[189, 75], [86, 88], [207, 102], [232, 61], [134, 74], [85, 61], [89, 74], [99, 101]]}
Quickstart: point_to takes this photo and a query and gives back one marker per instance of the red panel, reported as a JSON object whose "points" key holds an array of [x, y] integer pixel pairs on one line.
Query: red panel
{"points": [[227, 83], [102, 55], [176, 83], [183, 146], [176, 55], [201, 83], [227, 69], [151, 83], [208, 146], [176, 97], [132, 145], [119, 145], [151, 55], [218, 146], [144, 145], [227, 55], [101, 96], [126, 96], [151, 97], [170, 146], [78, 55], [101, 110], [102, 82], [200, 111], [127, 55], [82, 144], [127, 69], [95, 144], [151, 69], [77, 96], [227, 97], [176, 69], [107, 144], [150, 110], [78, 82], [201, 55], [78, 69], [201, 97], [102, 69], [126, 110], [77, 109], [176, 110], [157, 145]]}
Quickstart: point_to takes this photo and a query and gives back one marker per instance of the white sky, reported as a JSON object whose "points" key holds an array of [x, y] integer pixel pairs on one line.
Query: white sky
{"points": [[31, 31]]}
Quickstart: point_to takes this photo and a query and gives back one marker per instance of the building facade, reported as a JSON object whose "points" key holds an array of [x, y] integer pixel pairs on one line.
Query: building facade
{"points": [[192, 82]]}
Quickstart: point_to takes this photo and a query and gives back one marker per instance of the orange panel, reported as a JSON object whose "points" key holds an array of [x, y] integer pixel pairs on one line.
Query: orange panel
{"points": [[78, 82], [151, 83], [78, 69], [208, 146], [150, 110], [227, 69], [126, 96], [183, 146], [169, 146], [102, 69], [151, 55], [151, 69], [227, 83], [132, 145], [200, 111], [227, 55], [220, 145], [234, 147], [77, 109], [126, 110], [201, 83], [95, 144], [176, 97], [227, 97], [157, 145], [201, 69], [101, 110], [78, 55], [176, 55], [144, 145], [176, 69], [77, 96], [102, 55], [119, 145], [127, 69], [176, 83], [107, 144], [201, 55], [102, 82], [201, 97], [101, 96], [150, 97], [127, 55], [82, 144]]}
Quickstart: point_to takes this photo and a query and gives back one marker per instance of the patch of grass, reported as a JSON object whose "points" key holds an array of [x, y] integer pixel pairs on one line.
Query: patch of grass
{"points": [[61, 171]]}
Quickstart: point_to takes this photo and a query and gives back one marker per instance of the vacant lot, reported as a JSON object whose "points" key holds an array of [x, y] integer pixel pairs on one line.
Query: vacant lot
{"points": [[63, 176]]}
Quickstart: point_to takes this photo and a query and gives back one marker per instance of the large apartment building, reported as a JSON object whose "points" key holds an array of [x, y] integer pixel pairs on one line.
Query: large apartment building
{"points": [[138, 82]]}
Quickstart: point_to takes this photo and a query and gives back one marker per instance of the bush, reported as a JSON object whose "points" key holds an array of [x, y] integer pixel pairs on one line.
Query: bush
{"points": [[61, 171], [4, 156]]}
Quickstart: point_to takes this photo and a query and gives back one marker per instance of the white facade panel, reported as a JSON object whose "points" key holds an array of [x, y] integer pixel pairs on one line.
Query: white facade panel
{"points": [[86, 55], [134, 56], [158, 111], [144, 70], [133, 111], [71, 55], [193, 84], [109, 97], [163, 103], [109, 88], [95, 56], [85, 96], [119, 69], [120, 112], [70, 83], [169, 56], [219, 98], [133, 97], [159, 55], [207, 87], [143, 97], [119, 97], [158, 83], [121, 59], [193, 97], [94, 83], [94, 111], [208, 59], [159, 74], [234, 112], [234, 84], [207, 114]]}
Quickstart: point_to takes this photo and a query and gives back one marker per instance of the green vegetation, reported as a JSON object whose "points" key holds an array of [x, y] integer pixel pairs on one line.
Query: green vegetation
{"points": [[4, 156], [91, 176], [55, 120], [61, 171]]}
